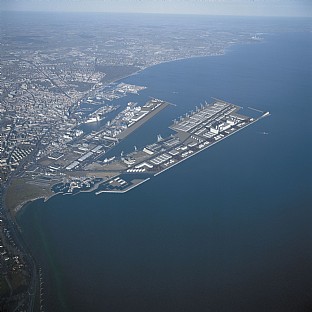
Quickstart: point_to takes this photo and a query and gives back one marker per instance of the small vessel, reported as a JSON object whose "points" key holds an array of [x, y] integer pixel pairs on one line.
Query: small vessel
{"points": [[96, 118]]}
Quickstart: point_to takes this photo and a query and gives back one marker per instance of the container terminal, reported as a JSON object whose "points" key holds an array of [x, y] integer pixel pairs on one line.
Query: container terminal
{"points": [[193, 132]]}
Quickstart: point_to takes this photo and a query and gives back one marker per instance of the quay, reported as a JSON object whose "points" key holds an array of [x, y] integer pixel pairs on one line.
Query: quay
{"points": [[194, 132]]}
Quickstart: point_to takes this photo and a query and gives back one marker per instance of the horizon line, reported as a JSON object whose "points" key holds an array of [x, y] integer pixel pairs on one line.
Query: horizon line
{"points": [[153, 13]]}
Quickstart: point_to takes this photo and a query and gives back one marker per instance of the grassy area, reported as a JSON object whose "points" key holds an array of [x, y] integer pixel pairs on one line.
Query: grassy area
{"points": [[20, 192]]}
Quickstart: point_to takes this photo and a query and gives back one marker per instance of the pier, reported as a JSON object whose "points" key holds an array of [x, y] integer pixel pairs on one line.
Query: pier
{"points": [[194, 133]]}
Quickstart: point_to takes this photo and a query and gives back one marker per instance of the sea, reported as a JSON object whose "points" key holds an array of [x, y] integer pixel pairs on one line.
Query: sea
{"points": [[228, 230]]}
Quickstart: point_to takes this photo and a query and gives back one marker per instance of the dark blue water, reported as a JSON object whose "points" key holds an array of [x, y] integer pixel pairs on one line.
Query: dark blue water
{"points": [[227, 230]]}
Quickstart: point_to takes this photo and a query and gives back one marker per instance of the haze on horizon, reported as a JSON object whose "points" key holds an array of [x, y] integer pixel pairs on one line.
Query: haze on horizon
{"points": [[295, 8]]}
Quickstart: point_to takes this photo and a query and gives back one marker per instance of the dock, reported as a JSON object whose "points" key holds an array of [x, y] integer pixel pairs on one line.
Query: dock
{"points": [[195, 132]]}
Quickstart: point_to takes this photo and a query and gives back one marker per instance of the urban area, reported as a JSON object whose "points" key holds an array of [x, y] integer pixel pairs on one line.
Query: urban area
{"points": [[58, 77]]}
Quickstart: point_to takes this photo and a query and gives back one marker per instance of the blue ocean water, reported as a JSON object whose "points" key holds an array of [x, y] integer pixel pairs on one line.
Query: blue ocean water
{"points": [[227, 230]]}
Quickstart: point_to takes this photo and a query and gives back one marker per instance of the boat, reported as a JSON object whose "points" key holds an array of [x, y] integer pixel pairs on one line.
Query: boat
{"points": [[96, 118]]}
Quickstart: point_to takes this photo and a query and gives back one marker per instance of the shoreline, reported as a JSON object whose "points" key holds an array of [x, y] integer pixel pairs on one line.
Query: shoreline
{"points": [[222, 52], [18, 209]]}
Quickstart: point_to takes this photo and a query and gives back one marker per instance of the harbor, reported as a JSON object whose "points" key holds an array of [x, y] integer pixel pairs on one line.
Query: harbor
{"points": [[88, 168], [195, 132]]}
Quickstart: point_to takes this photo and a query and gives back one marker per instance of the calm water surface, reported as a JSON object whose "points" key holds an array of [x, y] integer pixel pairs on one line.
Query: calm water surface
{"points": [[227, 230]]}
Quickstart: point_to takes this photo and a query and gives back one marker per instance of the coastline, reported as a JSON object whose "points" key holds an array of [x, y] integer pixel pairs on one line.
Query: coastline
{"points": [[19, 193], [222, 52], [229, 213], [20, 206], [45, 193], [23, 205]]}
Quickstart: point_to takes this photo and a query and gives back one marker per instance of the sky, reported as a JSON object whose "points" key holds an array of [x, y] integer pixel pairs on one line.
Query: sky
{"points": [[209, 7]]}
